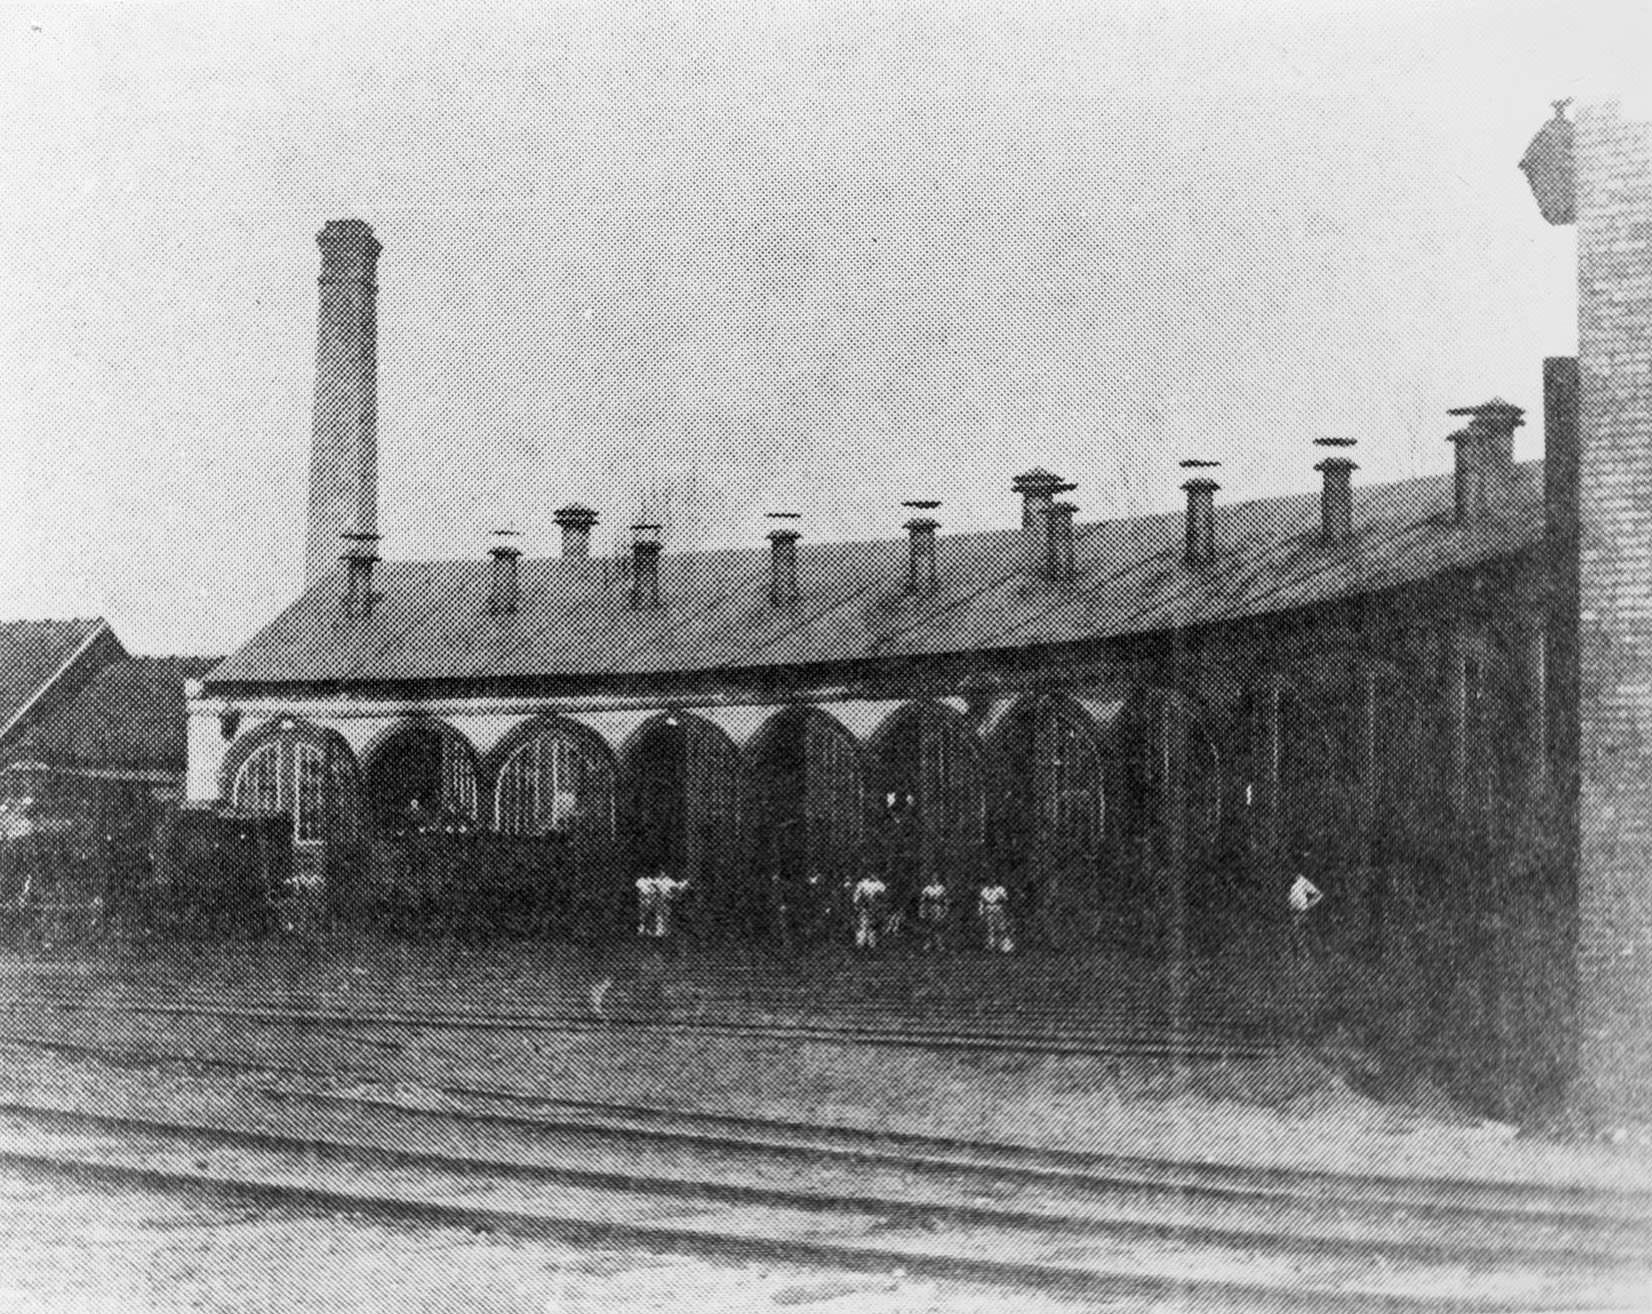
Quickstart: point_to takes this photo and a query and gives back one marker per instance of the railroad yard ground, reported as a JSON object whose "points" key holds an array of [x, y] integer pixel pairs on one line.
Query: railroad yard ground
{"points": [[515, 1084], [1240, 1091], [119, 1250]]}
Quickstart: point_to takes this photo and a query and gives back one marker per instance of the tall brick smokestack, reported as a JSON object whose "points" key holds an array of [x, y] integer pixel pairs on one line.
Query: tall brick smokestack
{"points": [[344, 437]]}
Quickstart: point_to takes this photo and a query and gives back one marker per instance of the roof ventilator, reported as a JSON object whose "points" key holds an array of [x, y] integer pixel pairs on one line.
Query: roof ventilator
{"points": [[1485, 457], [575, 522], [922, 576], [1336, 493], [783, 558], [504, 575], [360, 556], [645, 567], [1201, 514]]}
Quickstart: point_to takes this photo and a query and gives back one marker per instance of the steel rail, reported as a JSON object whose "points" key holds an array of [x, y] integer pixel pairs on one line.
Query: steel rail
{"points": [[1439, 1198], [575, 1024], [1066, 1278]]}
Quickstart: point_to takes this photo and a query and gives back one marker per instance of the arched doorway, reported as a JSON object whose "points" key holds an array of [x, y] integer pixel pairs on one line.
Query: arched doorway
{"points": [[1166, 797], [298, 770], [808, 822], [682, 783], [421, 777], [929, 798], [553, 801], [1048, 832], [554, 778]]}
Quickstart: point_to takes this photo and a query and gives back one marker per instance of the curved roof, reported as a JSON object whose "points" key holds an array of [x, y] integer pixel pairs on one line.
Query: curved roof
{"points": [[575, 618]]}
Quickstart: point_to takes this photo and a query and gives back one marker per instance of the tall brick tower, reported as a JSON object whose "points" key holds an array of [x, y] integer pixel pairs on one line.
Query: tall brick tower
{"points": [[344, 442], [1597, 173], [1614, 279]]}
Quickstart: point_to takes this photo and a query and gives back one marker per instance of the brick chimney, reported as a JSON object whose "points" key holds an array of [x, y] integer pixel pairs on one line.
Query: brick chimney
{"points": [[1201, 491], [783, 559], [1336, 494], [504, 582], [921, 574], [344, 431], [1485, 457], [575, 522], [360, 556], [645, 567]]}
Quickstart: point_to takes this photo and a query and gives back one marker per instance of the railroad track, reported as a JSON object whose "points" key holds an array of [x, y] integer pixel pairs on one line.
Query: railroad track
{"points": [[1212, 1204], [1072, 1257], [1424, 1197], [1069, 1045]]}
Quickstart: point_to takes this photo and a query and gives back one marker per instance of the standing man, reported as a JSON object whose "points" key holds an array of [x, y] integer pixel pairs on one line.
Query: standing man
{"points": [[867, 900], [933, 906], [648, 903], [993, 906], [669, 892], [1304, 898]]}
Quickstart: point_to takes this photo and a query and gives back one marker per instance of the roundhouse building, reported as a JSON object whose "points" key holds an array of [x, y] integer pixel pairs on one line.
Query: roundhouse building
{"points": [[1146, 725]]}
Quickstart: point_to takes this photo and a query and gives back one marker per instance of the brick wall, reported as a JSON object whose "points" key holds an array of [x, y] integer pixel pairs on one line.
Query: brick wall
{"points": [[1614, 217]]}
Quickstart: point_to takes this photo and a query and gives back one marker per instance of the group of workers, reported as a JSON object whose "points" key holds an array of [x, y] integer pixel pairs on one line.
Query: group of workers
{"points": [[873, 919], [657, 897]]}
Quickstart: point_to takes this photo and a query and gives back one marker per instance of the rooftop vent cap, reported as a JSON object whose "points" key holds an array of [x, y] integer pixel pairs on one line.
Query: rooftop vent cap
{"points": [[360, 556], [783, 586], [1038, 488], [645, 567], [922, 575], [1484, 465], [575, 521], [504, 575], [1336, 494], [1200, 551]]}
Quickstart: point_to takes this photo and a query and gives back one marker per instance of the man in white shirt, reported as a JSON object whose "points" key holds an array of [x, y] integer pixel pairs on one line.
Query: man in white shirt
{"points": [[867, 898], [1303, 898], [993, 905]]}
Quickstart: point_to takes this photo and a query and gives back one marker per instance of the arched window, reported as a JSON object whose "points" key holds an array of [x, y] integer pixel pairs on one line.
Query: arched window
{"points": [[303, 773], [555, 781]]}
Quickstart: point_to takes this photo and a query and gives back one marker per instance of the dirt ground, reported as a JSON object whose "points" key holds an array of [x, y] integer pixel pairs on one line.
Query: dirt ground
{"points": [[69, 1249]]}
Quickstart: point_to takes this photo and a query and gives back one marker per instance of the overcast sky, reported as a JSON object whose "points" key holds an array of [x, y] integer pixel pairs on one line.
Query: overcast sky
{"points": [[712, 260]]}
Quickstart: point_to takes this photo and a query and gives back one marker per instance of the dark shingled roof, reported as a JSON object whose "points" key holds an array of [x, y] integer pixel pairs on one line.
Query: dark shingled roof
{"points": [[131, 714], [432, 620], [33, 654]]}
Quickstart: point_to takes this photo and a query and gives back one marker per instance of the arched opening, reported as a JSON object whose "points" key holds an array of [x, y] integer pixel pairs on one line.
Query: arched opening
{"points": [[1048, 831], [808, 822], [554, 778], [552, 800], [681, 793], [421, 778], [297, 770], [929, 799], [1337, 772], [1165, 813]]}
